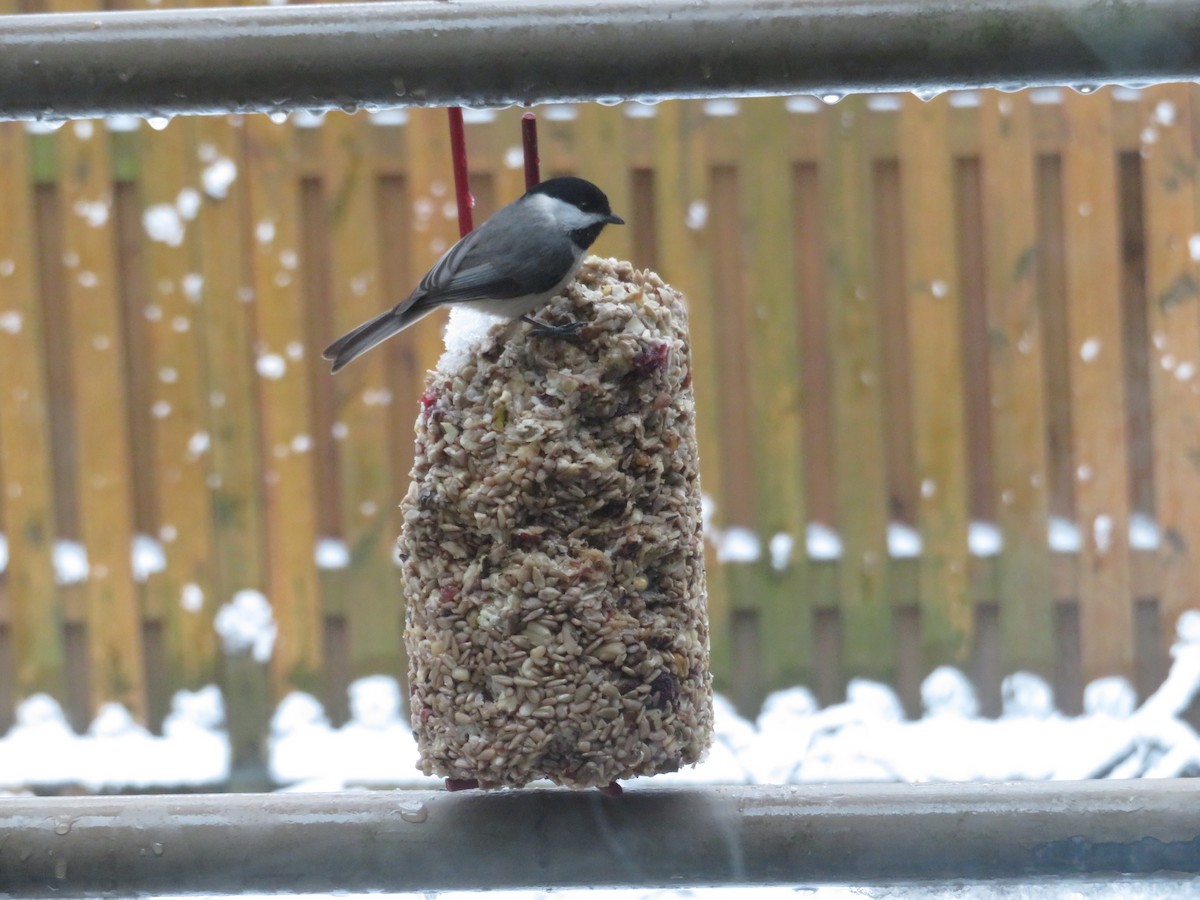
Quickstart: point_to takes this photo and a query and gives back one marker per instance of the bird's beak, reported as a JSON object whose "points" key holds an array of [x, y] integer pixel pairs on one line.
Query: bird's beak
{"points": [[614, 220]]}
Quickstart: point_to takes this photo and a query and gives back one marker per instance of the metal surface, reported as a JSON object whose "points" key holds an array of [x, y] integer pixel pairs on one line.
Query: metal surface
{"points": [[494, 52], [404, 841]]}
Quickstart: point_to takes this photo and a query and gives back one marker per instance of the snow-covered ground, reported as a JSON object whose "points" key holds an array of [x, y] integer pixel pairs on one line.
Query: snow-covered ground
{"points": [[866, 738]]}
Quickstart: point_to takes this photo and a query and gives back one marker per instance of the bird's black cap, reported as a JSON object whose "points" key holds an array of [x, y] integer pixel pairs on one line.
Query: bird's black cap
{"points": [[580, 193]]}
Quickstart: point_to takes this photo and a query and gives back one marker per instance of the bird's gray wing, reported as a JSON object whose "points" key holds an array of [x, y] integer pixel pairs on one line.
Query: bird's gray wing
{"points": [[493, 263]]}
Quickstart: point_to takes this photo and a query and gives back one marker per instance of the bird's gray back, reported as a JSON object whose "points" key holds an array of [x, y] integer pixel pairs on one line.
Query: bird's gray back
{"points": [[500, 261]]}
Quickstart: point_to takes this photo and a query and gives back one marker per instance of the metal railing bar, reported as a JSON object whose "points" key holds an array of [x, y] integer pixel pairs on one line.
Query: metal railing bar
{"points": [[429, 841], [496, 53]]}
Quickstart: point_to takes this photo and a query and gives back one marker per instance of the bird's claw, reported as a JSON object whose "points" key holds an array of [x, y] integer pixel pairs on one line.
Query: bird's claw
{"points": [[569, 331]]}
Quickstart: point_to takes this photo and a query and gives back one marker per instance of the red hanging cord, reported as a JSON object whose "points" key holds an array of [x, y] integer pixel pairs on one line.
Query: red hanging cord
{"points": [[529, 142], [462, 187]]}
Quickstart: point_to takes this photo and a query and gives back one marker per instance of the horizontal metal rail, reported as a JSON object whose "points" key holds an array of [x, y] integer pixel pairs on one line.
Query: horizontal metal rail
{"points": [[495, 52], [406, 841]]}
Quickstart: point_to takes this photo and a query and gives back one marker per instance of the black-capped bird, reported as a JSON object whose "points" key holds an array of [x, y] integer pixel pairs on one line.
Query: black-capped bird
{"points": [[508, 266]]}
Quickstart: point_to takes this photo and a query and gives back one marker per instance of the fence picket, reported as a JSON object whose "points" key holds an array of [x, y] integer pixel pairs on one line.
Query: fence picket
{"points": [[26, 476], [104, 476], [283, 354], [1173, 311], [856, 341], [934, 303], [371, 604], [1016, 339], [1096, 352]]}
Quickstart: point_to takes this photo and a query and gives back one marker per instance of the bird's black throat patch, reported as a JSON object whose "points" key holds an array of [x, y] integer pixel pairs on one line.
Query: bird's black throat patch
{"points": [[585, 237]]}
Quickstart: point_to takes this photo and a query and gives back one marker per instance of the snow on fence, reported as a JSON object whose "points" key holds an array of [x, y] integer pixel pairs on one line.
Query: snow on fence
{"points": [[945, 364], [793, 740]]}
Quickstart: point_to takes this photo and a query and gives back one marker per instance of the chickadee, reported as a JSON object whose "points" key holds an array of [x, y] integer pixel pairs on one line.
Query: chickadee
{"points": [[508, 266]]}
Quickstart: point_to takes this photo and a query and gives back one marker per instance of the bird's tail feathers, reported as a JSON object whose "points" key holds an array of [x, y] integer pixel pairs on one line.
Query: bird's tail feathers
{"points": [[367, 335]]}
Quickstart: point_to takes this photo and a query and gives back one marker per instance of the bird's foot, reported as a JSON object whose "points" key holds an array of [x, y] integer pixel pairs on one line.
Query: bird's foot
{"points": [[569, 331]]}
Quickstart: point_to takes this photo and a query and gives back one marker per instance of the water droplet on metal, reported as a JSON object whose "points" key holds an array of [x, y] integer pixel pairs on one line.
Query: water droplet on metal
{"points": [[63, 825], [832, 98], [158, 848]]}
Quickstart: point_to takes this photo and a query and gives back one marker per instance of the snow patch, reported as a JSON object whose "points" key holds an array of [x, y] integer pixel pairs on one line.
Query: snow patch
{"points": [[198, 444], [70, 562], [984, 539], [148, 557], [780, 548], [307, 118], [163, 223], [1064, 536], [191, 598], [246, 624], [881, 103], [390, 118], [187, 202], [803, 104], [11, 321], [94, 212], [271, 365], [903, 541], [465, 330], [822, 542], [218, 176], [738, 545], [637, 109], [721, 108], [1143, 532], [331, 553]]}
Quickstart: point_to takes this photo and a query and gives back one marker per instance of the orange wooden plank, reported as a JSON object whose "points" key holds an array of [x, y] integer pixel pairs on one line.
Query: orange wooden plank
{"points": [[170, 197], [222, 251], [283, 359], [1170, 196], [934, 301], [1018, 386], [775, 401], [25, 463], [856, 346], [808, 140], [370, 497], [1098, 435], [105, 479], [681, 203]]}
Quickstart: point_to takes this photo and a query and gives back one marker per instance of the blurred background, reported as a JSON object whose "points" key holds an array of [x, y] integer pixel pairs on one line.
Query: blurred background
{"points": [[945, 363]]}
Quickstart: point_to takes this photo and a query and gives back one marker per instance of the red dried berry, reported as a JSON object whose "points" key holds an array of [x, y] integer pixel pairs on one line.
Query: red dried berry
{"points": [[652, 359], [611, 790]]}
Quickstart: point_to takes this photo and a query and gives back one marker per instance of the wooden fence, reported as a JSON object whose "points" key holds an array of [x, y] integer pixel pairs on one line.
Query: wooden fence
{"points": [[907, 317]]}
